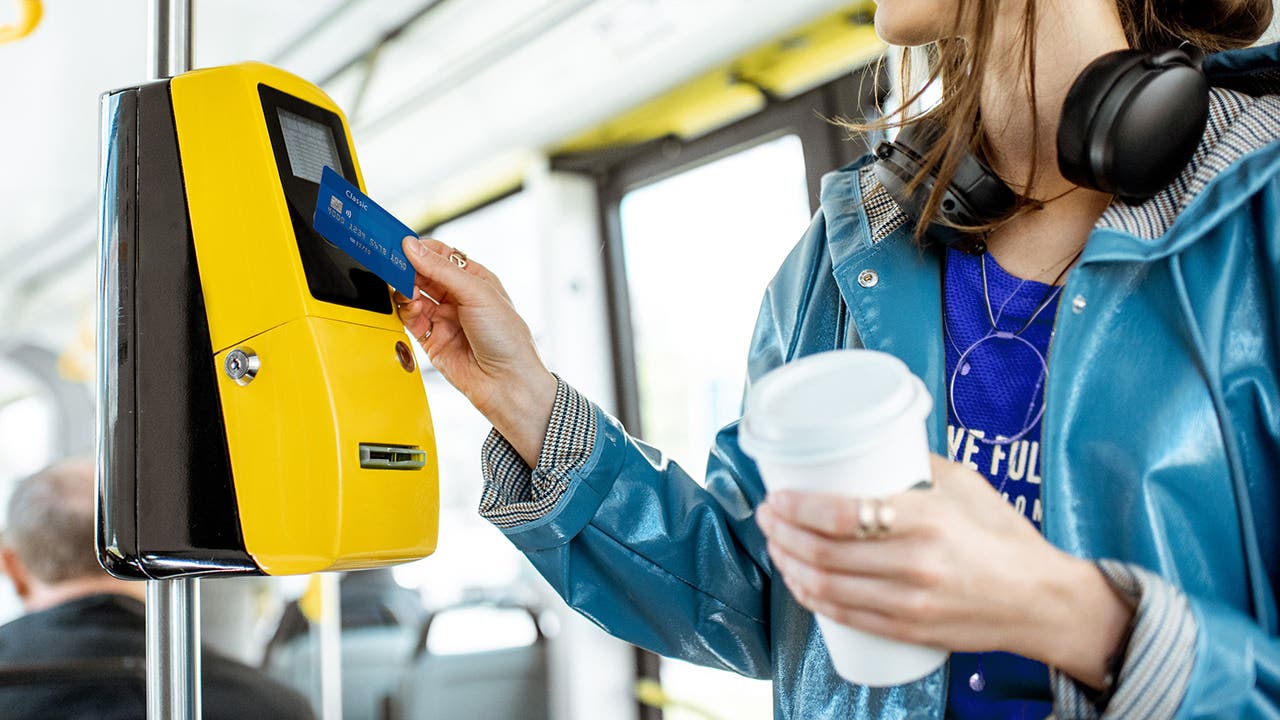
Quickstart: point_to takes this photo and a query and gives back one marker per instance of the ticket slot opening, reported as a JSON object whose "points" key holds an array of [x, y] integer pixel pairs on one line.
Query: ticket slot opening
{"points": [[392, 457]]}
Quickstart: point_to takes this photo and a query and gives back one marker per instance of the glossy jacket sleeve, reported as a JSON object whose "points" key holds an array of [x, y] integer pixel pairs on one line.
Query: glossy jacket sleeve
{"points": [[1156, 665], [1236, 670], [633, 543], [1188, 659]]}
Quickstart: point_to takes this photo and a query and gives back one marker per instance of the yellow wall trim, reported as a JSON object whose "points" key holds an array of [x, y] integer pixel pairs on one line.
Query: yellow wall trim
{"points": [[783, 68]]}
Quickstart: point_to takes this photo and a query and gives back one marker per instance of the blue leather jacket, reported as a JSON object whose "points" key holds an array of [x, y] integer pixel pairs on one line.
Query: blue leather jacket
{"points": [[1161, 442]]}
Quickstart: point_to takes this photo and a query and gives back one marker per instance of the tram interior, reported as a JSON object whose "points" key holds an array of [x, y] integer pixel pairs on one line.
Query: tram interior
{"points": [[598, 155]]}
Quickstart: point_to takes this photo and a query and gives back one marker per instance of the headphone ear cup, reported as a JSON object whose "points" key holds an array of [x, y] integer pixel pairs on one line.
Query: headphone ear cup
{"points": [[1156, 132], [975, 195], [1080, 109], [1132, 121]]}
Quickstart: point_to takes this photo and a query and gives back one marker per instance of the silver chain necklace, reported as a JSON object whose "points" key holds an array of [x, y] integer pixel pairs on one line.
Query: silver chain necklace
{"points": [[978, 681]]}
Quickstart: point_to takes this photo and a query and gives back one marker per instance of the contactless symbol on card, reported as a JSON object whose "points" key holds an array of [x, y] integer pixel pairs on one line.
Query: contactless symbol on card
{"points": [[364, 230]]}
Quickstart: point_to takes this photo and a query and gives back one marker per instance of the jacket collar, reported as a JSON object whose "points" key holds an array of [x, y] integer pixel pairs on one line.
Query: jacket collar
{"points": [[1253, 71], [1236, 158], [883, 282]]}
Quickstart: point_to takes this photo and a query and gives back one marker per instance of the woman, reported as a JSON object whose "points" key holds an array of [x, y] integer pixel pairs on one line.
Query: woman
{"points": [[1150, 593]]}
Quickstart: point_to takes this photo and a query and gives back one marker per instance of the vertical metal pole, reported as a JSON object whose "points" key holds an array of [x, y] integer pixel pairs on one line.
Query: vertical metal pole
{"points": [[158, 687], [330, 646], [169, 48], [173, 606], [185, 652], [173, 649]]}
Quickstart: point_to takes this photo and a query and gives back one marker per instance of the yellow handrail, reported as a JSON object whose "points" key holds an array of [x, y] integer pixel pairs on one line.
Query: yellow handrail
{"points": [[651, 693], [29, 14]]}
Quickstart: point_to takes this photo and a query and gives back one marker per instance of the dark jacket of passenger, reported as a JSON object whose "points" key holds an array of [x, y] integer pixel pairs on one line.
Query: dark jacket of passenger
{"points": [[88, 657]]}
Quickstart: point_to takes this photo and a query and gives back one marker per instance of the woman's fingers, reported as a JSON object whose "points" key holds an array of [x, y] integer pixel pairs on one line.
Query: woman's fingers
{"points": [[442, 274], [429, 291], [423, 311], [903, 559], [409, 310], [844, 518], [871, 594], [928, 574], [473, 267]]}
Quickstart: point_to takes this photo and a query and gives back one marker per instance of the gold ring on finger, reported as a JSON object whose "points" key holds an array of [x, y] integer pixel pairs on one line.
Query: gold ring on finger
{"points": [[459, 258], [427, 334], [866, 519], [885, 515]]}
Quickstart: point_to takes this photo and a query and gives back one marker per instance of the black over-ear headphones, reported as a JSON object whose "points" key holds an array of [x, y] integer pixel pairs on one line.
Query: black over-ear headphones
{"points": [[1130, 123]]}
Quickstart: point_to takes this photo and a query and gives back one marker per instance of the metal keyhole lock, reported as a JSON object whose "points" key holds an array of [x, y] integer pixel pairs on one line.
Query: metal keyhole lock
{"points": [[242, 365]]}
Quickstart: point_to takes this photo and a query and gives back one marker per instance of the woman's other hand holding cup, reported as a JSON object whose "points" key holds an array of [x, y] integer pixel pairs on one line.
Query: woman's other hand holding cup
{"points": [[957, 568]]}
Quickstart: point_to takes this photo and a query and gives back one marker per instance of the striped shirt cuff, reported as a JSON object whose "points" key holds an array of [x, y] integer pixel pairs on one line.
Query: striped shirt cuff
{"points": [[513, 494], [1158, 660]]}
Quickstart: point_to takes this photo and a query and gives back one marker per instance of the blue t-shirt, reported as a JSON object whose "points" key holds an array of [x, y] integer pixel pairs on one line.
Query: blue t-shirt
{"points": [[994, 401]]}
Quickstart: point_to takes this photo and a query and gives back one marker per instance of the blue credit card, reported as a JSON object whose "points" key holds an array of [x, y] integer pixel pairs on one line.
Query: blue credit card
{"points": [[360, 227]]}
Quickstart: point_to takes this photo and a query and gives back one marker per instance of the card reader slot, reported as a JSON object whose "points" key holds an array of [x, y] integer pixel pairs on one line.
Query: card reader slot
{"points": [[392, 457]]}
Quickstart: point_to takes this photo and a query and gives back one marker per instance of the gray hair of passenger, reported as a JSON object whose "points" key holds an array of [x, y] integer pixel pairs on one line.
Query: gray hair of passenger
{"points": [[50, 523]]}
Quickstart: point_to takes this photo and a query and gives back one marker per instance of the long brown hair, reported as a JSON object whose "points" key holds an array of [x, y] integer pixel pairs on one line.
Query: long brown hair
{"points": [[955, 64]]}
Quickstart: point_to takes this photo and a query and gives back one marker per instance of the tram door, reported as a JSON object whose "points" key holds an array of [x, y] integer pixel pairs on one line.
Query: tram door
{"points": [[699, 247]]}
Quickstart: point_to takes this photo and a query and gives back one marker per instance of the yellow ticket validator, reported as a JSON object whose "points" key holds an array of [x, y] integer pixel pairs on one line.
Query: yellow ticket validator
{"points": [[260, 409]]}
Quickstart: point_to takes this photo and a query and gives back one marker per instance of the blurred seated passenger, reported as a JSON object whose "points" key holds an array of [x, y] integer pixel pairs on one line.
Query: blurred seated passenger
{"points": [[82, 642], [369, 599]]}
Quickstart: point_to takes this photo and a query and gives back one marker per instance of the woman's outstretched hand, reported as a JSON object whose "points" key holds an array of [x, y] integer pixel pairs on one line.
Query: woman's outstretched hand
{"points": [[960, 569], [472, 334]]}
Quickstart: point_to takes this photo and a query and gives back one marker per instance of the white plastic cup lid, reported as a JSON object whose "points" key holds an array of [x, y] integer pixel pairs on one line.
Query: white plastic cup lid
{"points": [[829, 404]]}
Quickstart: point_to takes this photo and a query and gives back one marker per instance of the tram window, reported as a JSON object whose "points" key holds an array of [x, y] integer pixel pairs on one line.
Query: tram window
{"points": [[699, 249], [26, 425], [27, 417]]}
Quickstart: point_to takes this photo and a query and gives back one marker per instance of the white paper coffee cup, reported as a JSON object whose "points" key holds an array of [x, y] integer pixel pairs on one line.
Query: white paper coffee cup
{"points": [[851, 423]]}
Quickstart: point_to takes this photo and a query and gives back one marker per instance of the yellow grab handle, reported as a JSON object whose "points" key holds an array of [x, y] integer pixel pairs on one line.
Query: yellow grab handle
{"points": [[29, 14], [651, 693]]}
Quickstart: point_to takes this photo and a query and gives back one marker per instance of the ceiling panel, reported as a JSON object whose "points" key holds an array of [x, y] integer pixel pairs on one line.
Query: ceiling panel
{"points": [[537, 85], [469, 88], [231, 31]]}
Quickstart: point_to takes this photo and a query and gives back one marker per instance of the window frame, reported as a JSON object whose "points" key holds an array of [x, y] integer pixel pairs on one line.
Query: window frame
{"points": [[617, 172]]}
